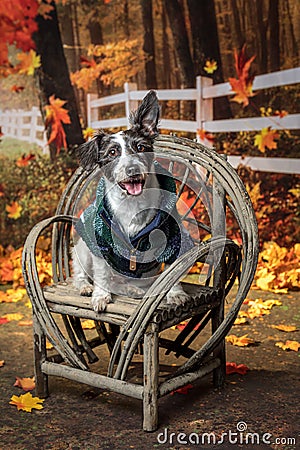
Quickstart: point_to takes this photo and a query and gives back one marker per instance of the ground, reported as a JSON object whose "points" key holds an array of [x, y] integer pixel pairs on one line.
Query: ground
{"points": [[76, 417]]}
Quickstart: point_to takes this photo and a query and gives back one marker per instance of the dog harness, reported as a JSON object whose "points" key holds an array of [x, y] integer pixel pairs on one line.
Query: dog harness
{"points": [[163, 240]]}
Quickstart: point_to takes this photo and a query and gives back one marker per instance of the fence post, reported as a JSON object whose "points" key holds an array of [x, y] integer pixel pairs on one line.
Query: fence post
{"points": [[130, 105], [92, 113], [204, 106], [19, 124], [33, 124]]}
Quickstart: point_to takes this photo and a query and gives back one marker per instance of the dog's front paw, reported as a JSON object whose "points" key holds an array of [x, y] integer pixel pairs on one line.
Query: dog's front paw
{"points": [[177, 296], [86, 290], [134, 291], [99, 301]]}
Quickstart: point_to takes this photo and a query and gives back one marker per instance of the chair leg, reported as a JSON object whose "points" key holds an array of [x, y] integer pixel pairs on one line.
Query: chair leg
{"points": [[151, 370], [219, 374], [40, 354]]}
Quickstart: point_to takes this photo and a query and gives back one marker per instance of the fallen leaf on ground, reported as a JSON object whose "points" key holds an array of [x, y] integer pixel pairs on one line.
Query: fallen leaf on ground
{"points": [[242, 341], [234, 368], [3, 320], [184, 390], [88, 324], [286, 328], [2, 362], [289, 345], [26, 402], [240, 321], [12, 316], [14, 210], [25, 323], [27, 384]]}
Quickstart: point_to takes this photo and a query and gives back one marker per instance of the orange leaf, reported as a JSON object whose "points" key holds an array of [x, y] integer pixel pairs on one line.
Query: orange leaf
{"points": [[2, 362], [286, 328], [28, 62], [17, 89], [14, 210], [234, 368], [12, 316], [289, 345], [56, 116], [242, 86], [266, 139], [242, 341], [26, 402], [24, 160], [204, 135], [27, 384]]}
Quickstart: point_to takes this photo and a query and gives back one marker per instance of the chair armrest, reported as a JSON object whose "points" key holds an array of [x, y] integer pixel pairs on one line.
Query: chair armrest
{"points": [[36, 295]]}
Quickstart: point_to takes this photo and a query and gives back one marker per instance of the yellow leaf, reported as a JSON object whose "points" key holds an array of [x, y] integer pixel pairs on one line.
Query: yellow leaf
{"points": [[27, 384], [242, 341], [240, 321], [210, 66], [88, 324], [286, 328], [13, 316], [49, 346], [88, 133], [26, 402], [289, 345], [14, 210], [266, 139], [28, 62]]}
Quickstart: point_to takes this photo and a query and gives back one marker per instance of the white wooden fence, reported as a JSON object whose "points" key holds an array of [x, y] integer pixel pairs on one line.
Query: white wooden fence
{"points": [[24, 125], [203, 95]]}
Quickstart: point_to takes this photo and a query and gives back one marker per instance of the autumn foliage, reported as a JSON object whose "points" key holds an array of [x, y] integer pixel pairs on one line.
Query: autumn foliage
{"points": [[242, 85]]}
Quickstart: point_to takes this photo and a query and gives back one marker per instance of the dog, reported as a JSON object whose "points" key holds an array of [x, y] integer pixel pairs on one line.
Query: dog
{"points": [[133, 226]]}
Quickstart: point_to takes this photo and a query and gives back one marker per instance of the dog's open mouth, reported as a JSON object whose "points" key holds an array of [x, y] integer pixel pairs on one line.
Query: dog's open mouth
{"points": [[133, 185]]}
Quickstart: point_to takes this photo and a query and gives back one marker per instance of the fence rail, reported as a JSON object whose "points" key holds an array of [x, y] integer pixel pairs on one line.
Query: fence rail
{"points": [[203, 95], [24, 125]]}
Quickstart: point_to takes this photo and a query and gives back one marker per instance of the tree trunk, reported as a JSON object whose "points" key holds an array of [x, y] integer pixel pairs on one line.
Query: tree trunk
{"points": [[53, 75], [181, 43], [262, 37], [239, 36], [274, 35], [148, 47], [206, 46]]}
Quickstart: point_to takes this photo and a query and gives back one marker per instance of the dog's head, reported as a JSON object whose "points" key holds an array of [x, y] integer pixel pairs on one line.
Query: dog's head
{"points": [[126, 157]]}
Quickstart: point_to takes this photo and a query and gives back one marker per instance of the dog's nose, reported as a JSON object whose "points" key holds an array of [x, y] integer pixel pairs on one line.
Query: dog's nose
{"points": [[133, 170]]}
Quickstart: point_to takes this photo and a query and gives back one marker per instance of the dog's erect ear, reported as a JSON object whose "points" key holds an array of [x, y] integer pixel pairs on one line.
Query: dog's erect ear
{"points": [[89, 153], [145, 118]]}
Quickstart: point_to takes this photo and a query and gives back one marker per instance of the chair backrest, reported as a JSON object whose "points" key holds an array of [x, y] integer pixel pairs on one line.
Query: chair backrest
{"points": [[211, 200]]}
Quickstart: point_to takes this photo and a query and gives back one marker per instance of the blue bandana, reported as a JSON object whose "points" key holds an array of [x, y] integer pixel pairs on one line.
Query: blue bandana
{"points": [[164, 239]]}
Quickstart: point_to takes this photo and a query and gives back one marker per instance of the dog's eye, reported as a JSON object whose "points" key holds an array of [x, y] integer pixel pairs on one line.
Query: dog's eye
{"points": [[113, 152], [141, 148]]}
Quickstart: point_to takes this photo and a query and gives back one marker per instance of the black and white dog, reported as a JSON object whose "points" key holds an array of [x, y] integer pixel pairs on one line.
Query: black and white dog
{"points": [[133, 225]]}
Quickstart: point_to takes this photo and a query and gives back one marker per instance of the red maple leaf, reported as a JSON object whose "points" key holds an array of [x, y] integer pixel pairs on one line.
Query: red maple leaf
{"points": [[234, 368], [56, 116], [24, 160], [242, 86], [184, 390], [85, 62]]}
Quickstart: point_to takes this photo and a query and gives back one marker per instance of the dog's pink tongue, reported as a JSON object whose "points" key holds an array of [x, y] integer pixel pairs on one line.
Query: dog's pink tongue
{"points": [[133, 188]]}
